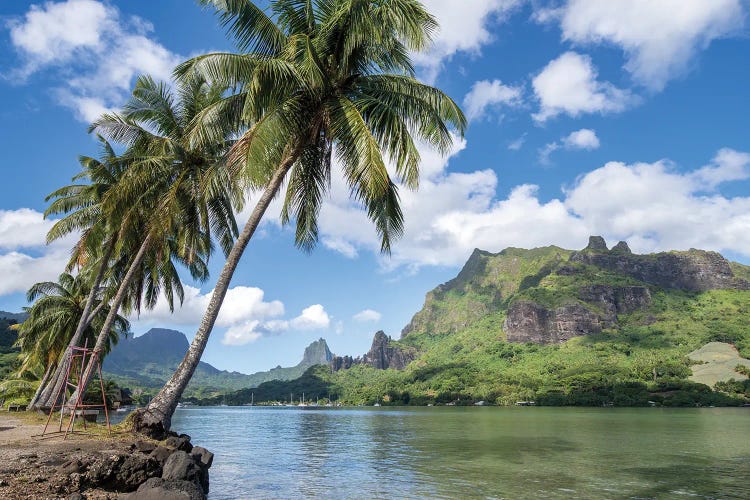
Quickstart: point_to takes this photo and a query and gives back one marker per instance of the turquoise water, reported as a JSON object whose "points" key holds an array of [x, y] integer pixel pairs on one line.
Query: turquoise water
{"points": [[456, 452]]}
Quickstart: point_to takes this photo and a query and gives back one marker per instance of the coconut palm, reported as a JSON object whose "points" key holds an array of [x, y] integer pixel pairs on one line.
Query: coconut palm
{"points": [[82, 202], [174, 198], [53, 320], [314, 80]]}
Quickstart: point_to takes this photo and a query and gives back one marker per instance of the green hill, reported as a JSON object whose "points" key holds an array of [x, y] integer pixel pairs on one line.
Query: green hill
{"points": [[147, 361], [554, 326]]}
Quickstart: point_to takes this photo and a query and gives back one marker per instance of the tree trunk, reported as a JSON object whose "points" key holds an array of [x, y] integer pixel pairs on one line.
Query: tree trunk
{"points": [[44, 396], [156, 419], [114, 308], [42, 384]]}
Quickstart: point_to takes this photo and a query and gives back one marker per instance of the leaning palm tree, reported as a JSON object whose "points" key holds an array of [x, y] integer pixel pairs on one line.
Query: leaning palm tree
{"points": [[174, 198], [53, 320], [316, 80], [82, 202]]}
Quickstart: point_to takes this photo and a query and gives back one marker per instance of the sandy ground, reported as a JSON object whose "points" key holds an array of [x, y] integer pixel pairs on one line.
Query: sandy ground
{"points": [[32, 467]]}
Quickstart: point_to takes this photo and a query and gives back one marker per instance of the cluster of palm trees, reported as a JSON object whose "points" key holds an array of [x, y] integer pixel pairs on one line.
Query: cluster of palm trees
{"points": [[314, 81]]}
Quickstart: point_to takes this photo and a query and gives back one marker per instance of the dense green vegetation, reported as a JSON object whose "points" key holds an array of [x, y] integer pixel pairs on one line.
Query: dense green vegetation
{"points": [[641, 360]]}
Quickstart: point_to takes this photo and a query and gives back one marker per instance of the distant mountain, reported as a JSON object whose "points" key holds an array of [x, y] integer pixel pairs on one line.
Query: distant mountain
{"points": [[597, 326], [150, 359], [7, 336]]}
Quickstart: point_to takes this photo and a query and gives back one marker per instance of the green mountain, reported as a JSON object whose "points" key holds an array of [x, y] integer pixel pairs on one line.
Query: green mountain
{"points": [[8, 337], [149, 360], [555, 326]]}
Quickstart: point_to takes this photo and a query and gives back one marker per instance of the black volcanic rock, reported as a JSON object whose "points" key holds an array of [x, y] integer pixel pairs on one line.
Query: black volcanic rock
{"points": [[382, 355]]}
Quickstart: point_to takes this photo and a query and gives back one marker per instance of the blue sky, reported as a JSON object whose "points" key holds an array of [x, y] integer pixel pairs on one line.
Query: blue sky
{"points": [[625, 118]]}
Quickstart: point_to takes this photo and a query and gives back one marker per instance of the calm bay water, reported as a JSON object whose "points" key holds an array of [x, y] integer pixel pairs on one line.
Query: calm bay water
{"points": [[456, 452]]}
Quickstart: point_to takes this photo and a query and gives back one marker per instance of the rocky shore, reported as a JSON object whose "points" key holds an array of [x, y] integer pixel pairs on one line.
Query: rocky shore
{"points": [[98, 467]]}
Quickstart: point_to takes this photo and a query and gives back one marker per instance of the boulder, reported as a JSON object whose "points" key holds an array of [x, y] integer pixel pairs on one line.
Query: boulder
{"points": [[161, 489], [121, 472], [181, 466], [161, 454], [202, 456], [181, 442]]}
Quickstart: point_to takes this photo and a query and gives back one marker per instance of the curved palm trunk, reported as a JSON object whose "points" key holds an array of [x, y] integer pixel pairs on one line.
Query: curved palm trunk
{"points": [[156, 419], [114, 308], [42, 384], [48, 389]]}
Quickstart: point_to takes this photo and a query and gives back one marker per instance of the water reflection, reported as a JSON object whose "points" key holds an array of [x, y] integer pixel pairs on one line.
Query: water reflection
{"points": [[473, 452]]}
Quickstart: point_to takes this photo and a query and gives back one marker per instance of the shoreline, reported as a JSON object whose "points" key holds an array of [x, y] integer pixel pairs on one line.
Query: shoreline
{"points": [[95, 465]]}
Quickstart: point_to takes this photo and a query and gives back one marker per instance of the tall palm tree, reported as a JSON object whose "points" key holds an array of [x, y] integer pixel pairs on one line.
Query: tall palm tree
{"points": [[53, 320], [83, 204], [316, 79], [175, 195]]}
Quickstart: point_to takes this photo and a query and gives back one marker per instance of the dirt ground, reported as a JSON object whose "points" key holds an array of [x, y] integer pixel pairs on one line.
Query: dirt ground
{"points": [[34, 467]]}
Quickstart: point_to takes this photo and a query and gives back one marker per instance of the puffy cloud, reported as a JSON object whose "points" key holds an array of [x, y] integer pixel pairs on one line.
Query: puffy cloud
{"points": [[245, 313], [23, 228], [91, 39], [581, 139], [569, 85], [27, 259], [56, 32], [584, 138], [659, 38], [314, 317], [485, 95], [21, 270], [463, 28], [368, 315], [652, 205]]}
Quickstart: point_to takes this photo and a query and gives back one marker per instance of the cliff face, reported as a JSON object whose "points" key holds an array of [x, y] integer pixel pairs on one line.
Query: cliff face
{"points": [[528, 321], [316, 353], [383, 354], [550, 295], [486, 282], [694, 270]]}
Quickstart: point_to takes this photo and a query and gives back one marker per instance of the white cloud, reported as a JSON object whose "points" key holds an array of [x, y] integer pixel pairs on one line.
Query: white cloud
{"points": [[653, 206], [23, 228], [464, 27], [656, 207], [517, 144], [581, 139], [728, 165], [56, 32], [659, 38], [569, 85], [584, 138], [485, 95], [368, 315], [26, 259], [21, 270], [90, 39], [314, 317]]}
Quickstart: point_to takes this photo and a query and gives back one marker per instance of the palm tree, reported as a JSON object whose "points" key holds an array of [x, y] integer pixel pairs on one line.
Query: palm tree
{"points": [[175, 195], [316, 79], [83, 204], [53, 320]]}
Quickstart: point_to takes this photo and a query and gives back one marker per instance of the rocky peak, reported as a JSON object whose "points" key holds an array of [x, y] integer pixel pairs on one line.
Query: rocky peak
{"points": [[621, 247], [597, 244], [694, 270], [382, 355], [317, 353]]}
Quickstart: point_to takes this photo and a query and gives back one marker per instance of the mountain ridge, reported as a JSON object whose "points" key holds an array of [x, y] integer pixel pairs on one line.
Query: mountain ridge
{"points": [[149, 360]]}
